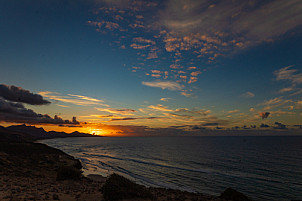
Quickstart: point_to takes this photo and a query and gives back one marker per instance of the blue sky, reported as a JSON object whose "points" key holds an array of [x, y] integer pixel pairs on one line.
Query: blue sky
{"points": [[156, 63]]}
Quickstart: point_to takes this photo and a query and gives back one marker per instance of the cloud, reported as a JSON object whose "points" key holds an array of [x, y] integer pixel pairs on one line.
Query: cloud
{"points": [[172, 29], [248, 95], [286, 89], [17, 94], [170, 85], [73, 99], [165, 99], [280, 126], [233, 111], [210, 124], [264, 126], [287, 73], [279, 113], [192, 68], [160, 108], [264, 115], [296, 93], [196, 73], [192, 80], [101, 116], [138, 46], [131, 119], [275, 102], [193, 112], [143, 40], [241, 18], [123, 111], [186, 94], [62, 105], [17, 113]]}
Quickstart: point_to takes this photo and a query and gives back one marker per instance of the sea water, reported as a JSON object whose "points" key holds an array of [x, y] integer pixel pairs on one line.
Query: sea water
{"points": [[264, 168]]}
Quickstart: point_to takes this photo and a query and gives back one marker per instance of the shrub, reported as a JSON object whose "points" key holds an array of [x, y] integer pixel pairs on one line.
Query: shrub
{"points": [[68, 173], [118, 187]]}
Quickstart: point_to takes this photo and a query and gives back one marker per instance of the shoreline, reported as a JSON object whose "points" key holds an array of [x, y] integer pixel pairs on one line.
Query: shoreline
{"points": [[30, 171]]}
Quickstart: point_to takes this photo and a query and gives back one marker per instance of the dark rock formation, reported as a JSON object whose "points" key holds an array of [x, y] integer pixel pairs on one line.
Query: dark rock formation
{"points": [[231, 194]]}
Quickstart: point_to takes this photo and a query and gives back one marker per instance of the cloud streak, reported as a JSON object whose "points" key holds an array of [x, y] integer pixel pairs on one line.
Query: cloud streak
{"points": [[73, 99], [287, 73], [248, 95], [123, 111], [170, 85]]}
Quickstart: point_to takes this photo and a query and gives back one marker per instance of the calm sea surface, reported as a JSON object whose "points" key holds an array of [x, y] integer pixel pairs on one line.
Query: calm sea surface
{"points": [[264, 168]]}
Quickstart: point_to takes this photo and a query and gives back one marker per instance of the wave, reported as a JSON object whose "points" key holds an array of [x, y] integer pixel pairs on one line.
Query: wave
{"points": [[150, 163]]}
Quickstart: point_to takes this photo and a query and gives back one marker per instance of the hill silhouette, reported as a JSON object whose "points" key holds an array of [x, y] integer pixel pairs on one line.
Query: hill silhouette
{"points": [[19, 133]]}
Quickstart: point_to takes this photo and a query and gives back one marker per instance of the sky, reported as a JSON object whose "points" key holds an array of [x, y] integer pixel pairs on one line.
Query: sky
{"points": [[119, 67]]}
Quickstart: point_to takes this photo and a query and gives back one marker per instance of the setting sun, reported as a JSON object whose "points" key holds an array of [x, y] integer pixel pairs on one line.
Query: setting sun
{"points": [[97, 132]]}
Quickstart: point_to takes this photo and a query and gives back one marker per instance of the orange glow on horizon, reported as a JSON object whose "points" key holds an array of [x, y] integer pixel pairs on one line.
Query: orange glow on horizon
{"points": [[103, 130], [97, 131]]}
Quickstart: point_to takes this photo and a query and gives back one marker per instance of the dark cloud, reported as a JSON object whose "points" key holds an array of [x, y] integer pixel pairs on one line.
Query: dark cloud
{"points": [[264, 126], [124, 119], [279, 125], [17, 113], [133, 118], [264, 115], [70, 126], [17, 94], [210, 124], [198, 128]]}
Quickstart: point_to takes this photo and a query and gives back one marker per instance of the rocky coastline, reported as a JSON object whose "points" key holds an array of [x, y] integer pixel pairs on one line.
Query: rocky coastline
{"points": [[35, 171]]}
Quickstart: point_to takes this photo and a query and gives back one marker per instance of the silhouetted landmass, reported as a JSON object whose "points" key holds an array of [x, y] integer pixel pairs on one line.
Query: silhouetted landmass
{"points": [[32, 133]]}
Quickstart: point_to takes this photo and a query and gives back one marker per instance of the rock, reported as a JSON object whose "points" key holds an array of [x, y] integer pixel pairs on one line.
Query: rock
{"points": [[6, 197], [118, 188], [231, 194], [55, 197]]}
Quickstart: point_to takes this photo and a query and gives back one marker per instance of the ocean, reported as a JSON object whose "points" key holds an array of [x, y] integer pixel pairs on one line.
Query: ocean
{"points": [[263, 168]]}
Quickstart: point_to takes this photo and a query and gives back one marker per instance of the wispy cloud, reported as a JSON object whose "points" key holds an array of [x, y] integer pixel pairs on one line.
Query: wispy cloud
{"points": [[134, 118], [160, 108], [73, 99], [186, 94], [248, 95], [233, 17], [286, 89], [123, 111], [289, 74], [62, 105], [165, 99], [275, 103], [233, 111], [170, 85]]}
